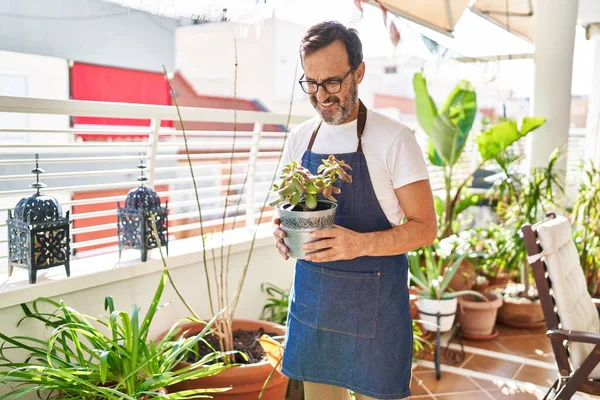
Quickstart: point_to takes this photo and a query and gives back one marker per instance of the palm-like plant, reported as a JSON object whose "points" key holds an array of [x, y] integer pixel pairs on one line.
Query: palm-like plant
{"points": [[90, 358], [585, 218], [448, 128], [538, 192]]}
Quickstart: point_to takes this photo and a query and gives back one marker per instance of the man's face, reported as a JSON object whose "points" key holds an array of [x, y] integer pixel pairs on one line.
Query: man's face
{"points": [[331, 62]]}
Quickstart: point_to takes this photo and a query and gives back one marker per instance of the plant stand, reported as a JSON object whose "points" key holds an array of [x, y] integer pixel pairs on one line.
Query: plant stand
{"points": [[456, 356]]}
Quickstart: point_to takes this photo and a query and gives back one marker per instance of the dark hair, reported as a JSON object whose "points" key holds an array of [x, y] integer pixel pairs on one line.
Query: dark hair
{"points": [[325, 33]]}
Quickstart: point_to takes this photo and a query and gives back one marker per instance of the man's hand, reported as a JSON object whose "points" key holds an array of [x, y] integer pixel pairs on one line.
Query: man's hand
{"points": [[278, 235], [334, 244]]}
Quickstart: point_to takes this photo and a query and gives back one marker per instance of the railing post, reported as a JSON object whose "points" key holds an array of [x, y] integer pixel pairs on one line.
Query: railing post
{"points": [[153, 148], [250, 183]]}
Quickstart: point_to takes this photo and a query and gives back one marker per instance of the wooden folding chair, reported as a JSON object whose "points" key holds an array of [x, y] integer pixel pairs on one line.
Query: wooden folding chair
{"points": [[571, 315]]}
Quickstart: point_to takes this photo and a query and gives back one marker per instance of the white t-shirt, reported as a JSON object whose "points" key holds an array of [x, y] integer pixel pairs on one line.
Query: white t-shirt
{"points": [[393, 156]]}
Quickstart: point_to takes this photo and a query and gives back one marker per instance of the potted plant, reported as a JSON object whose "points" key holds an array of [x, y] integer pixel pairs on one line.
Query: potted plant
{"points": [[585, 218], [429, 272], [476, 314], [536, 193], [103, 358], [448, 128], [299, 207], [466, 274], [234, 337]]}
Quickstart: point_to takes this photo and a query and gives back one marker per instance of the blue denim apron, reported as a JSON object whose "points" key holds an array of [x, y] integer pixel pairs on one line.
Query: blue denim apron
{"points": [[349, 321]]}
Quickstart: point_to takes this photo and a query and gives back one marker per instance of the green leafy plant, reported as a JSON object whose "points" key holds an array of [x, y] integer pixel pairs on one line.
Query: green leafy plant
{"points": [[585, 218], [103, 358], [487, 243], [432, 273], [538, 193], [299, 187], [276, 308], [448, 128]]}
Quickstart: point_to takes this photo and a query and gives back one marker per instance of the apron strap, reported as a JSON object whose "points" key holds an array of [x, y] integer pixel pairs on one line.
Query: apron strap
{"points": [[360, 127]]}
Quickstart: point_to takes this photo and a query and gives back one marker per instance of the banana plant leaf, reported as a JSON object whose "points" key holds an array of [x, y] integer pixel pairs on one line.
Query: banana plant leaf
{"points": [[426, 109], [461, 107], [434, 157], [466, 202], [495, 140], [448, 128]]}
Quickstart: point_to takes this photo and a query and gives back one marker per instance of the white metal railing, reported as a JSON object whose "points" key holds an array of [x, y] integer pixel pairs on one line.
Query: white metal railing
{"points": [[87, 176], [84, 174]]}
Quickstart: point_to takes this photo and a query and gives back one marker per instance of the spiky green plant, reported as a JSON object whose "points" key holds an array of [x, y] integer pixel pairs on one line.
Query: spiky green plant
{"points": [[432, 274], [111, 357]]}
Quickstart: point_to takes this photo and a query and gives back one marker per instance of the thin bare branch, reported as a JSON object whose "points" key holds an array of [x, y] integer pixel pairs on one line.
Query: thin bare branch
{"points": [[187, 152], [275, 174]]}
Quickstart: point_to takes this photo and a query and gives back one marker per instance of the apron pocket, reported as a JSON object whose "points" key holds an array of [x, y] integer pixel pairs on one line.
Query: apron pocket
{"points": [[336, 301]]}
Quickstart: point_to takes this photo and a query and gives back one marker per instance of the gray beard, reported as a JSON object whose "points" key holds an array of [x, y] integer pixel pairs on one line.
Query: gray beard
{"points": [[343, 110]]}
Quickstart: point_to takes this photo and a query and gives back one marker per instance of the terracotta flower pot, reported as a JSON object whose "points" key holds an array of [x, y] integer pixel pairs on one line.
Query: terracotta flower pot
{"points": [[246, 380], [412, 300], [477, 317], [464, 278], [521, 313], [499, 280]]}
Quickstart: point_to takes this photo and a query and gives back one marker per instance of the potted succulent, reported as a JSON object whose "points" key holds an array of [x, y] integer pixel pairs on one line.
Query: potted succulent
{"points": [[299, 207], [432, 274]]}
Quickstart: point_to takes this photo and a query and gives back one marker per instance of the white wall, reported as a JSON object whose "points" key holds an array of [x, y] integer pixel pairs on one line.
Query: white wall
{"points": [[32, 75], [266, 266], [266, 64], [493, 83], [91, 31]]}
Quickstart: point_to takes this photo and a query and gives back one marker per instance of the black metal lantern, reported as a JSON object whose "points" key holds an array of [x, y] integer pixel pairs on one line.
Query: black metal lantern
{"points": [[38, 235], [135, 228]]}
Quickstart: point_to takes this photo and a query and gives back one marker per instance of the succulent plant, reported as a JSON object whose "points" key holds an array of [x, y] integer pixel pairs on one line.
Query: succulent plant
{"points": [[299, 186]]}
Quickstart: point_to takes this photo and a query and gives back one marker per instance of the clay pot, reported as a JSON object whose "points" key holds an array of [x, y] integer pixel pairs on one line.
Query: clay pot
{"points": [[246, 380], [464, 278], [413, 295], [499, 280], [477, 318], [521, 313]]}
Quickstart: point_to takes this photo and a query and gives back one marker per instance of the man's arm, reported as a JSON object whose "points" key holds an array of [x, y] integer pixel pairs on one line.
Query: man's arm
{"points": [[420, 229]]}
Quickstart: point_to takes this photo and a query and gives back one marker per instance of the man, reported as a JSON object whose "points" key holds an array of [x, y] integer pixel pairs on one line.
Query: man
{"points": [[349, 325]]}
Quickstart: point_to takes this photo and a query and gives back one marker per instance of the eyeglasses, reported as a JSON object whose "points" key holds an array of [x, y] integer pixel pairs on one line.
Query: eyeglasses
{"points": [[331, 86]]}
